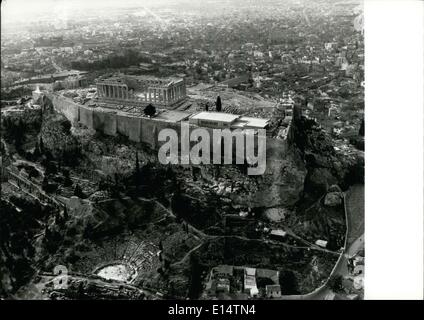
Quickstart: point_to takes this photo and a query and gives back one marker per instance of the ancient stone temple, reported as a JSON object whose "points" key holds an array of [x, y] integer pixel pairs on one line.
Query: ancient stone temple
{"points": [[141, 90]]}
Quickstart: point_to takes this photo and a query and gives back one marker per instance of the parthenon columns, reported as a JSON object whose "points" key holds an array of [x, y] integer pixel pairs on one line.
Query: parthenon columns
{"points": [[151, 92]]}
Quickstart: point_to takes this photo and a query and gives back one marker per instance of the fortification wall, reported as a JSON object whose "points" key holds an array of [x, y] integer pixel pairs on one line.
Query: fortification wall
{"points": [[105, 121], [129, 126], [65, 106], [149, 132], [86, 116], [140, 129]]}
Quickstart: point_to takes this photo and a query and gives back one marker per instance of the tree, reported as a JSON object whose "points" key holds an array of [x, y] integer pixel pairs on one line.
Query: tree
{"points": [[218, 104], [195, 285], [78, 192], [36, 152], [150, 110], [336, 283], [137, 172], [46, 233], [80, 291], [19, 134], [166, 264], [33, 173], [45, 183], [41, 145], [288, 282], [67, 182], [58, 219], [65, 213], [263, 282], [362, 128], [50, 168], [137, 164]]}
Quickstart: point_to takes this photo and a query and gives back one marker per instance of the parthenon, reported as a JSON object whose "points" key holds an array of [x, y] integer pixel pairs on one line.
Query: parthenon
{"points": [[141, 90]]}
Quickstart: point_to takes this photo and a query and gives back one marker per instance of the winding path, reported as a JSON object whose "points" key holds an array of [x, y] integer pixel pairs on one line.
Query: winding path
{"points": [[354, 241]]}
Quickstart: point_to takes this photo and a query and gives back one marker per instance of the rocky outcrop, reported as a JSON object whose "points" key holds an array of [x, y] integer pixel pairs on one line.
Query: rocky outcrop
{"points": [[324, 165], [334, 197], [57, 138]]}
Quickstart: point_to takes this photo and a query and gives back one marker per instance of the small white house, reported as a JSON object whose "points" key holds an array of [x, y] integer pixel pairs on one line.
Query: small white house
{"points": [[321, 243]]}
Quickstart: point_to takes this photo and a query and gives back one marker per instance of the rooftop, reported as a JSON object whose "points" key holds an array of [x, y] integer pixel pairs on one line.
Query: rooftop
{"points": [[278, 232], [251, 122], [250, 271], [172, 116], [225, 269], [215, 116]]}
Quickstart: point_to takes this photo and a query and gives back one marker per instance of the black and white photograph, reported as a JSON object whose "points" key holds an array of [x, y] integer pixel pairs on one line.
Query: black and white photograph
{"points": [[190, 150]]}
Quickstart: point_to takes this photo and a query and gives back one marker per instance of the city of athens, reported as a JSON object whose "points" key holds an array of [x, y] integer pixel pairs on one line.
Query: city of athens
{"points": [[182, 150]]}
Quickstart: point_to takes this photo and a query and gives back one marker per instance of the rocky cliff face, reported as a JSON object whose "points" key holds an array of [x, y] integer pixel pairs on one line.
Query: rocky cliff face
{"points": [[325, 167], [281, 184], [302, 168]]}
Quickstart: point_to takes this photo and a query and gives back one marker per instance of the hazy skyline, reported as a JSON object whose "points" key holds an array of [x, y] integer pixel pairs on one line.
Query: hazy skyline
{"points": [[14, 11]]}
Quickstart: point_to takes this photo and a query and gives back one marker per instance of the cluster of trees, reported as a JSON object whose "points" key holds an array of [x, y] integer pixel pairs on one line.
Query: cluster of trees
{"points": [[14, 132], [16, 93], [52, 168], [152, 180], [17, 232], [127, 58], [16, 129]]}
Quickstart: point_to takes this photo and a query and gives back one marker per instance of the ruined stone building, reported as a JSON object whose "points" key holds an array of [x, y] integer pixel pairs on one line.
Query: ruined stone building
{"points": [[141, 90]]}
